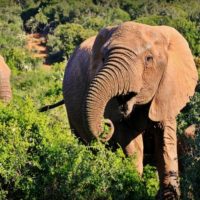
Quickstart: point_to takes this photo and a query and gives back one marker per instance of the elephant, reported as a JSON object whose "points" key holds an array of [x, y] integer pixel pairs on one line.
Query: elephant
{"points": [[5, 87], [129, 80]]}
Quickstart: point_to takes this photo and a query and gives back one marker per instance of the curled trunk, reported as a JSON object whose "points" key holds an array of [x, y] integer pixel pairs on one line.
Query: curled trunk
{"points": [[113, 80]]}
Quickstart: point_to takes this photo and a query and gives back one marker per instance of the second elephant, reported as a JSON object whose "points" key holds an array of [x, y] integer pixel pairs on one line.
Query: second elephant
{"points": [[5, 87]]}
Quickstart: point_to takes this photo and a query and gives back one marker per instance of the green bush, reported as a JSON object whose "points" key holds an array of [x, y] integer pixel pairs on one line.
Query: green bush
{"points": [[41, 85], [66, 38], [40, 159], [97, 15], [21, 59], [190, 161], [153, 20], [13, 40], [190, 31]]}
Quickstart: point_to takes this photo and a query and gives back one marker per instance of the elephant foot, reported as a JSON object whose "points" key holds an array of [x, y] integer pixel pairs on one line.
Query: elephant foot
{"points": [[170, 187], [168, 192]]}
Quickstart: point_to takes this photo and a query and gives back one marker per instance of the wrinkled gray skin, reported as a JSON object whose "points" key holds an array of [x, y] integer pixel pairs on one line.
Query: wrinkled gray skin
{"points": [[137, 77], [5, 88]]}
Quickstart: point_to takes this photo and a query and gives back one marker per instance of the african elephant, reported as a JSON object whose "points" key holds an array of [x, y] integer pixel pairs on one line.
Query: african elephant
{"points": [[5, 88], [126, 81]]}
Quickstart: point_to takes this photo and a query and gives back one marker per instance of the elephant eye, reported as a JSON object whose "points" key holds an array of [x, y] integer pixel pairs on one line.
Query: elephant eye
{"points": [[149, 58]]}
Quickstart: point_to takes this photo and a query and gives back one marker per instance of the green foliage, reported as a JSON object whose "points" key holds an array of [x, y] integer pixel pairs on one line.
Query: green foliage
{"points": [[154, 20], [20, 59], [23, 136], [190, 160], [191, 176], [66, 38], [151, 180], [39, 157], [40, 85], [12, 40], [50, 14], [190, 31]]}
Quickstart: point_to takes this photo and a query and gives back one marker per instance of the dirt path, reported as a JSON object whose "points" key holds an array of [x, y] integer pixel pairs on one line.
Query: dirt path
{"points": [[36, 44]]}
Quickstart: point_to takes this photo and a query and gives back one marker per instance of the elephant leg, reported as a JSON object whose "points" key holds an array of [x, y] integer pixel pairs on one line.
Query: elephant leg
{"points": [[132, 143], [158, 140], [170, 153], [135, 147], [167, 161]]}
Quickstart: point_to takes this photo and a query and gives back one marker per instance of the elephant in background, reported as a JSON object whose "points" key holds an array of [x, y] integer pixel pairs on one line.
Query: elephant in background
{"points": [[128, 81], [5, 88]]}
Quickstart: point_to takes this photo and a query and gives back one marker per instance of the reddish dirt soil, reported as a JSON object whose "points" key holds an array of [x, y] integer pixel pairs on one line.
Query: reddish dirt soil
{"points": [[36, 44]]}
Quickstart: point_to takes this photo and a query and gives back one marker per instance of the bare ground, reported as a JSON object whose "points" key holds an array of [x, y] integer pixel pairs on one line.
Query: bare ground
{"points": [[36, 44]]}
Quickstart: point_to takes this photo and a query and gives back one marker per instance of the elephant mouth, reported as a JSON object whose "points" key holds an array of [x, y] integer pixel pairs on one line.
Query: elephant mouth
{"points": [[122, 101], [121, 113]]}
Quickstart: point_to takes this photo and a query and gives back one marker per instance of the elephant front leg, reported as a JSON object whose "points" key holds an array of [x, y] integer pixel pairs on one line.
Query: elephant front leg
{"points": [[168, 161], [132, 143], [135, 147]]}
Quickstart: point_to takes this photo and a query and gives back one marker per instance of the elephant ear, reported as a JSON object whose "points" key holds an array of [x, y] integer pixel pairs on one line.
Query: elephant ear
{"points": [[179, 79]]}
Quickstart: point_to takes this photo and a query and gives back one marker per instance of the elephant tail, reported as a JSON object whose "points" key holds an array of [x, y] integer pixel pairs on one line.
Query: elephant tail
{"points": [[49, 107]]}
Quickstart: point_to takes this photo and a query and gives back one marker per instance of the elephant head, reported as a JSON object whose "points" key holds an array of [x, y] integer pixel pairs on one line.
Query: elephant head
{"points": [[5, 89], [149, 64]]}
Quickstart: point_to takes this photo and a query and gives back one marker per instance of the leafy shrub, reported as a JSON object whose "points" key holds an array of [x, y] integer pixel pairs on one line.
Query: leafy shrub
{"points": [[190, 32], [150, 177], [20, 59], [153, 20], [40, 159], [191, 160], [118, 14], [12, 40], [66, 38], [95, 23], [41, 85]]}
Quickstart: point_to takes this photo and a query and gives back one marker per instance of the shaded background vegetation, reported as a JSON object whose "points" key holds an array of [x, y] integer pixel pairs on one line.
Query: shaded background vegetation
{"points": [[39, 157]]}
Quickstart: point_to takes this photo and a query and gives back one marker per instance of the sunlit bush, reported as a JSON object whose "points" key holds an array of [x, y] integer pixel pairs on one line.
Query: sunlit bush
{"points": [[13, 40], [40, 159], [66, 38]]}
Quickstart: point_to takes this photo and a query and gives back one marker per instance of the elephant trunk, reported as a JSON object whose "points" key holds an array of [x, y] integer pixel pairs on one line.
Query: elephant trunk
{"points": [[5, 90], [113, 80]]}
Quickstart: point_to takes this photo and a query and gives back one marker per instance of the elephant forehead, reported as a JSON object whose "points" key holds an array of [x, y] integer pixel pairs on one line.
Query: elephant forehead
{"points": [[137, 46], [141, 49], [134, 36], [137, 30]]}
